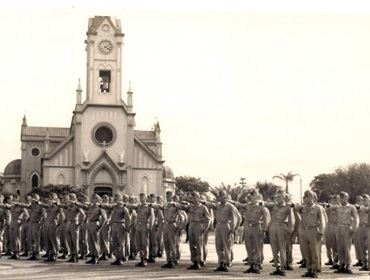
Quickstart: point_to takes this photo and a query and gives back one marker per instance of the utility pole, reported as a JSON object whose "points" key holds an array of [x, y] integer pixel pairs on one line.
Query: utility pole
{"points": [[242, 182]]}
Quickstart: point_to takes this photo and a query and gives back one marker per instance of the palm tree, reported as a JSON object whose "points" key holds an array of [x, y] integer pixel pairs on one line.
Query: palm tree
{"points": [[287, 178]]}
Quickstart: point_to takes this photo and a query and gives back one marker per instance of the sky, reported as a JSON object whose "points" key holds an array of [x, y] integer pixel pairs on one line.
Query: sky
{"points": [[241, 88]]}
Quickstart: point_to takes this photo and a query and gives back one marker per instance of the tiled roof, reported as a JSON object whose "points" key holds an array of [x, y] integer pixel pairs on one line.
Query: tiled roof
{"points": [[43, 131], [145, 134]]}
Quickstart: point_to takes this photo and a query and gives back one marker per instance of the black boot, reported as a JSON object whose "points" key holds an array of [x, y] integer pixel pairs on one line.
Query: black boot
{"points": [[330, 262], [142, 263], [250, 269], [169, 264], [82, 257], [34, 257], [93, 260], [25, 254], [103, 257], [118, 262]]}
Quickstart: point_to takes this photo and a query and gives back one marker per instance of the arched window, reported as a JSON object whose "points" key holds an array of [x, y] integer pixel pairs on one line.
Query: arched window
{"points": [[145, 185], [60, 179], [35, 181]]}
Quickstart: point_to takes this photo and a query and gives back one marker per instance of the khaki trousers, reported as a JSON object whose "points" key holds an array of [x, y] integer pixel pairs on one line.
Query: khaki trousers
{"points": [[223, 238], [170, 241]]}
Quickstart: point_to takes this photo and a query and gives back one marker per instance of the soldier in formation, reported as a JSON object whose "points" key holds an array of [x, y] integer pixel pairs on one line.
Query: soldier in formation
{"points": [[123, 227]]}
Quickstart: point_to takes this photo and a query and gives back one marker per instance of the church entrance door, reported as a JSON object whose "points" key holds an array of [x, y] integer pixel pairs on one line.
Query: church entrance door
{"points": [[103, 190]]}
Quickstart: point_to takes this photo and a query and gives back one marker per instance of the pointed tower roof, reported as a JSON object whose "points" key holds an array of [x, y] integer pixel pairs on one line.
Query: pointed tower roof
{"points": [[24, 121], [95, 22]]}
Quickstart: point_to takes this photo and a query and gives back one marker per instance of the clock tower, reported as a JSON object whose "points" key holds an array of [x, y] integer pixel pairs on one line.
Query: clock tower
{"points": [[104, 60]]}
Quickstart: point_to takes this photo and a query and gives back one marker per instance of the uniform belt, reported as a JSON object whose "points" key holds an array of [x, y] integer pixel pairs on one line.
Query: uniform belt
{"points": [[345, 225], [309, 227], [364, 225], [253, 224]]}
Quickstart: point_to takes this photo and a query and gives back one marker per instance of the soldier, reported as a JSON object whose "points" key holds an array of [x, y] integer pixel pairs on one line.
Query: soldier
{"points": [[153, 236], [362, 232], [83, 240], [160, 229], [330, 234], [18, 214], [25, 234], [37, 216], [282, 221], [74, 216], [356, 240], [312, 230], [205, 235], [62, 232], [347, 226], [96, 217], [256, 220], [4, 219], [54, 218], [105, 232], [120, 223], [199, 219], [125, 199], [170, 229], [182, 225], [132, 233], [145, 220], [226, 223]]}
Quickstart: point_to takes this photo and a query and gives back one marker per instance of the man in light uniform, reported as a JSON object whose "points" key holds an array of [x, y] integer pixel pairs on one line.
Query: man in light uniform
{"points": [[120, 224], [96, 217], [144, 223], [347, 226], [312, 230], [226, 223], [4, 219], [362, 232], [256, 220], [105, 232], [18, 215], [199, 219], [282, 222], [132, 233]]}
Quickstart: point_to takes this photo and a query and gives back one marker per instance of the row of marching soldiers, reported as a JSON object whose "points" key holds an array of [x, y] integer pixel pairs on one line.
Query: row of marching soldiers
{"points": [[126, 228]]}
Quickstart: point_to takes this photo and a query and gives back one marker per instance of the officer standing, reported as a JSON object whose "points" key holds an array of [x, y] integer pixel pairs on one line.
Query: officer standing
{"points": [[226, 223], [312, 230], [96, 217], [199, 219], [282, 221], [120, 224], [347, 226], [256, 220], [144, 223], [74, 217], [105, 231], [4, 219]]}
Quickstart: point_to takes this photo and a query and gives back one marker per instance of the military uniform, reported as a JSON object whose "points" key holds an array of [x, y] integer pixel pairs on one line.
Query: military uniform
{"points": [[331, 236], [96, 217], [54, 218], [74, 217], [347, 225], [120, 224], [226, 223], [144, 223], [4, 220], [362, 235], [256, 220], [105, 234], [312, 230], [199, 219], [37, 216], [282, 221], [133, 243]]}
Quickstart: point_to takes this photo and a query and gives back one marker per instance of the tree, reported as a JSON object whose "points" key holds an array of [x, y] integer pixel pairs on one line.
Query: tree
{"points": [[353, 179], [287, 178], [237, 193], [267, 189], [185, 184]]}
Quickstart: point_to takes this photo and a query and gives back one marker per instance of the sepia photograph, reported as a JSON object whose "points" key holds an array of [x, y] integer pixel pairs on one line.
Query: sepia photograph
{"points": [[174, 139]]}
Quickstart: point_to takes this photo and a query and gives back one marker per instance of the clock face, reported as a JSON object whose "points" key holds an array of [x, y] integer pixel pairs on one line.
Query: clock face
{"points": [[105, 47]]}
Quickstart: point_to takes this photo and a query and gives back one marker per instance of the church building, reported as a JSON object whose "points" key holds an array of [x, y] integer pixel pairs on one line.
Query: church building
{"points": [[101, 151]]}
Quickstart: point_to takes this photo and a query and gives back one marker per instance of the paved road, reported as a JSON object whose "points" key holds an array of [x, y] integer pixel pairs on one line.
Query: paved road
{"points": [[27, 270]]}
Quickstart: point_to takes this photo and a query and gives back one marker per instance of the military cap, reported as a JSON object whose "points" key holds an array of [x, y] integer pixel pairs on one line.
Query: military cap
{"points": [[310, 194], [222, 193], [196, 194], [343, 194], [72, 197]]}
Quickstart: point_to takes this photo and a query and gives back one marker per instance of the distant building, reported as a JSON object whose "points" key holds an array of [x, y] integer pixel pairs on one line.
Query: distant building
{"points": [[100, 151]]}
